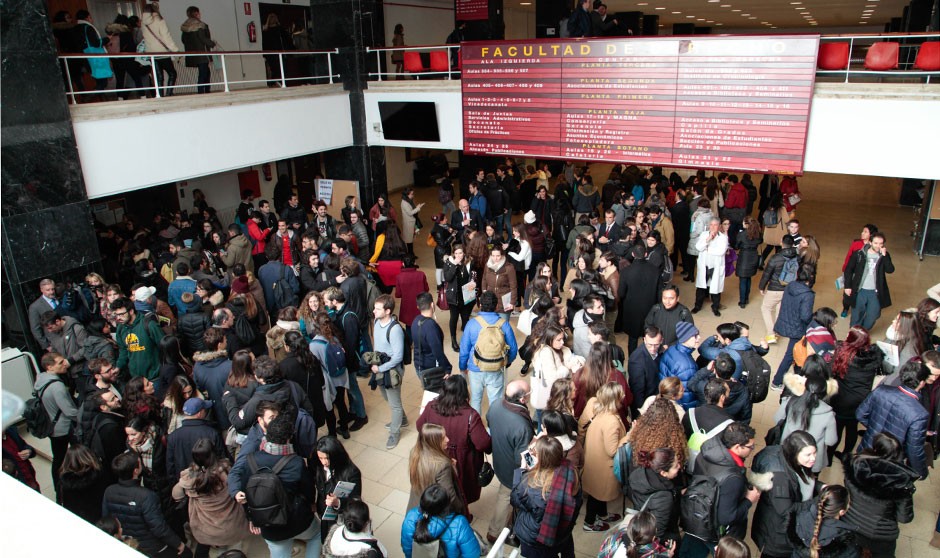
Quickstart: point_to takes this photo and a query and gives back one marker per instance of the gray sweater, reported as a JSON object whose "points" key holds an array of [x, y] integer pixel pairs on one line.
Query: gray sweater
{"points": [[390, 342], [57, 397]]}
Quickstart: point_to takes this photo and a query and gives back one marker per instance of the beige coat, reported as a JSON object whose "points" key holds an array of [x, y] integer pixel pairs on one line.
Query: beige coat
{"points": [[408, 214], [667, 233], [216, 519], [601, 440]]}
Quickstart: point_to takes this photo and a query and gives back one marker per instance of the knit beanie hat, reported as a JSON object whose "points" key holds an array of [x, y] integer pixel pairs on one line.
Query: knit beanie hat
{"points": [[240, 285], [685, 331]]}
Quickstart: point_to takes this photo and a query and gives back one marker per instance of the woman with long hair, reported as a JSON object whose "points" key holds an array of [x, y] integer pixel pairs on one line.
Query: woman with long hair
{"points": [[540, 309], [274, 338], [334, 466], [552, 360], [928, 310], [774, 219], [561, 399], [394, 247], [148, 441], [809, 250], [181, 388], [820, 528], [301, 367], [172, 364], [538, 287], [215, 518], [907, 334], [820, 336], [139, 400], [98, 343], [476, 251], [458, 272], [398, 56], [881, 487], [656, 485], [659, 427], [576, 291], [519, 252], [857, 244], [597, 371], [603, 431], [410, 222], [855, 364], [239, 387], [810, 413], [82, 481], [434, 520], [746, 243], [382, 212], [642, 538], [730, 547], [309, 306], [326, 341], [469, 440], [701, 216], [791, 467], [547, 498], [555, 424], [430, 464]]}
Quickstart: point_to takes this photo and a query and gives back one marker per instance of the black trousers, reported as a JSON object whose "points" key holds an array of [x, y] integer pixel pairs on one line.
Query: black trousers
{"points": [[594, 509], [60, 445], [463, 312], [702, 294]]}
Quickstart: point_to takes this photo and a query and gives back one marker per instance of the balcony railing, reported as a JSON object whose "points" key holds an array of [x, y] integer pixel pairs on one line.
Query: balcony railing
{"points": [[443, 61], [292, 67]]}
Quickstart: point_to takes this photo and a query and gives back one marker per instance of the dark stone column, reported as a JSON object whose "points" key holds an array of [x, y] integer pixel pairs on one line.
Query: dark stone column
{"points": [[351, 27], [47, 223]]}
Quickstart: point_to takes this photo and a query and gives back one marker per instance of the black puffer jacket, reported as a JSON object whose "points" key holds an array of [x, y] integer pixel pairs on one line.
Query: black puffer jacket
{"points": [[770, 280], [444, 237], [661, 498], [856, 385], [748, 258], [775, 507], [190, 328], [138, 510], [456, 276], [882, 493]]}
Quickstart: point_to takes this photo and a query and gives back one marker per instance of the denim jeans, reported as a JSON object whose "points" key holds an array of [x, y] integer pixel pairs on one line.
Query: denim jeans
{"points": [[492, 381], [786, 362], [692, 547], [282, 549], [357, 404], [867, 309], [393, 396], [504, 222], [204, 77], [744, 286]]}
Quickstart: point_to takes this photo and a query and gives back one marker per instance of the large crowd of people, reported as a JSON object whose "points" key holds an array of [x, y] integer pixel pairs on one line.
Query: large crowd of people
{"points": [[187, 384]]}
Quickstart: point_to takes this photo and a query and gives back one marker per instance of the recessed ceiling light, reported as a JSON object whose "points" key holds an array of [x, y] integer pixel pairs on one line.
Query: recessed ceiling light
{"points": [[871, 5], [690, 17], [525, 3], [745, 15], [660, 8], [735, 10], [700, 19], [753, 17], [710, 21], [726, 5], [643, 4], [719, 24], [676, 13]]}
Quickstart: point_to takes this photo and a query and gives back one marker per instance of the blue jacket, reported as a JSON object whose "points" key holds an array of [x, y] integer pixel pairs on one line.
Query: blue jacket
{"points": [[478, 202], [469, 340], [677, 361], [454, 532], [269, 274], [530, 510], [896, 410], [211, 371], [428, 340], [174, 294], [138, 510], [711, 348], [297, 482], [796, 310]]}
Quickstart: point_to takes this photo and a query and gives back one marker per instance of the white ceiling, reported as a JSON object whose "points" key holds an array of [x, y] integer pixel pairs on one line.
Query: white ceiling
{"points": [[761, 14]]}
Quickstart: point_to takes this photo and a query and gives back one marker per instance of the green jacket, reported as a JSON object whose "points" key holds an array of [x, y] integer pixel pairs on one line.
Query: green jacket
{"points": [[138, 351]]}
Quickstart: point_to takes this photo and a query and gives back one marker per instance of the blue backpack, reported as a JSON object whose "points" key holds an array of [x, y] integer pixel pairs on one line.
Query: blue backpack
{"points": [[335, 358], [789, 271]]}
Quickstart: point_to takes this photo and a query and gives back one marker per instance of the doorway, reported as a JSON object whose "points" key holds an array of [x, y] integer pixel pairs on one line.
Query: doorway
{"points": [[294, 19]]}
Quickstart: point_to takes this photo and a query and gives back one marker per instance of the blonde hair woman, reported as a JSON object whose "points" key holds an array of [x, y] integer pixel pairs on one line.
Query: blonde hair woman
{"points": [[604, 434], [430, 463]]}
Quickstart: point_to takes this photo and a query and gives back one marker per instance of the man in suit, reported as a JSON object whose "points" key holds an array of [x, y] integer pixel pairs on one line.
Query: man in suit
{"points": [[609, 232], [465, 217], [46, 301]]}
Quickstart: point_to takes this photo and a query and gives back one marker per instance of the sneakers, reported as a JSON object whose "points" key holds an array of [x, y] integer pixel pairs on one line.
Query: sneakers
{"points": [[611, 518], [771, 339], [357, 424], [844, 314], [597, 527], [515, 313], [776, 387], [392, 442], [404, 423]]}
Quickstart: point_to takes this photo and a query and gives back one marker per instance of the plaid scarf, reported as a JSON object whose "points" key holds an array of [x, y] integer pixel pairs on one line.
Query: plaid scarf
{"points": [[561, 506], [276, 449]]}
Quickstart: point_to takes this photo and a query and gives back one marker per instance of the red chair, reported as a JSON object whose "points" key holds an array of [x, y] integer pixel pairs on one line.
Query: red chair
{"points": [[833, 56], [412, 62], [882, 57], [928, 57], [439, 61]]}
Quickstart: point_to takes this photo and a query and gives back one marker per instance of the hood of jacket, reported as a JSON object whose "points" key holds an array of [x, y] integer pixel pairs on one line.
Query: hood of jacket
{"points": [[275, 335], [74, 481], [882, 478], [715, 453], [115, 28], [209, 356], [587, 189], [191, 25], [797, 385], [741, 344]]}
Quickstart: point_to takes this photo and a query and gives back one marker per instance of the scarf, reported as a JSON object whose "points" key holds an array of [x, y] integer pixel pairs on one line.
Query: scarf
{"points": [[561, 506], [276, 449]]}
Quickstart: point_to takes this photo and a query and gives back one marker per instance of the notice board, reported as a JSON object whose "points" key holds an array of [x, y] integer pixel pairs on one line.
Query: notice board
{"points": [[334, 193], [734, 103]]}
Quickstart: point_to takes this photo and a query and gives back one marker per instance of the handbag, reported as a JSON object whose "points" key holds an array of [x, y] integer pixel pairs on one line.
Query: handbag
{"points": [[141, 49], [526, 317], [442, 297], [800, 352], [794, 199], [431, 242], [433, 378], [100, 67]]}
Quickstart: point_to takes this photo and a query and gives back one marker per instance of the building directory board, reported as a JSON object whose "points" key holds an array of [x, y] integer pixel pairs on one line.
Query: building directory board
{"points": [[734, 103]]}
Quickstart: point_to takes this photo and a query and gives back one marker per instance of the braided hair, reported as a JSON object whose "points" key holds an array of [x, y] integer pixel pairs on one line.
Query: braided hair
{"points": [[833, 503]]}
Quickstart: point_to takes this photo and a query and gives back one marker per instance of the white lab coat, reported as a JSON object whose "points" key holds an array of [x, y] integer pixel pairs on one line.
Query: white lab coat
{"points": [[711, 255]]}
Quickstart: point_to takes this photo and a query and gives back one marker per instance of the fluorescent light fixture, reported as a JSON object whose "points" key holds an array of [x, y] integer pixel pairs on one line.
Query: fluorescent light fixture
{"points": [[676, 13], [735, 11], [690, 17], [660, 8]]}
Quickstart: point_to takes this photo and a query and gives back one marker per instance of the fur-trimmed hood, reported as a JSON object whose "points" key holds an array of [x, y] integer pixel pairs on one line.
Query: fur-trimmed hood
{"points": [[275, 335], [116, 28], [209, 355], [761, 481], [191, 25], [880, 478], [797, 385]]}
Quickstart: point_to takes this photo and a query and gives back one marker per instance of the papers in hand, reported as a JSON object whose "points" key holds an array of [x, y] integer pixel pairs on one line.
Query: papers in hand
{"points": [[343, 490], [507, 300], [469, 292], [840, 283]]}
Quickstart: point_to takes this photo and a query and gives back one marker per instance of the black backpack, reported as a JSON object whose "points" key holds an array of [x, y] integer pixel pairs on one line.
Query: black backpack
{"points": [[269, 505], [244, 330], [38, 421], [755, 375], [698, 508], [284, 295]]}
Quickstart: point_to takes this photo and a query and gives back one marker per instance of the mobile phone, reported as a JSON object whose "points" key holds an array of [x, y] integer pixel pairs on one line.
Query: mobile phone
{"points": [[529, 459]]}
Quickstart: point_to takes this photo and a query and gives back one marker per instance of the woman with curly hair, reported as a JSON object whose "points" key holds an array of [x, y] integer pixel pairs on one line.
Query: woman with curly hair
{"points": [[658, 427], [597, 371], [478, 254], [139, 401], [656, 486], [311, 304], [928, 310]]}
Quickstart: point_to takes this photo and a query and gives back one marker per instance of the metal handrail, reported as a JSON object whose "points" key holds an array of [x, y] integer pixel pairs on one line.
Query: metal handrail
{"points": [[225, 83], [428, 48]]}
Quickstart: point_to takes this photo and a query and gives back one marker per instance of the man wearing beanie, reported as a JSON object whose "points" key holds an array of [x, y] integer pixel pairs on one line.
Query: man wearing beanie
{"points": [[677, 361]]}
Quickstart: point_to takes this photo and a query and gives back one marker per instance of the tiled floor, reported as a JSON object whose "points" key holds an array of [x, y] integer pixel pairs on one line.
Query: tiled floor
{"points": [[834, 210]]}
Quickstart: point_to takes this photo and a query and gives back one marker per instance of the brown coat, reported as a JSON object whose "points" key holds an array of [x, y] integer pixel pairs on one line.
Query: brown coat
{"points": [[468, 442], [601, 441], [500, 281], [216, 519], [446, 476]]}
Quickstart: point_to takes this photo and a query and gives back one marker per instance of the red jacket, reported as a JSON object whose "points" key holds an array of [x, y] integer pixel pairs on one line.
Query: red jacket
{"points": [[258, 236], [408, 285], [737, 197]]}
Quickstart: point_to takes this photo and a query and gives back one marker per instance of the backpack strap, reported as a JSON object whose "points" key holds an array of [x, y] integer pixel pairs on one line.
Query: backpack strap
{"points": [[714, 431], [692, 419], [252, 463], [39, 396], [281, 463]]}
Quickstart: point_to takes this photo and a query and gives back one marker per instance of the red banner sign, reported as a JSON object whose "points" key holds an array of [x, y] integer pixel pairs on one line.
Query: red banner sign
{"points": [[738, 103]]}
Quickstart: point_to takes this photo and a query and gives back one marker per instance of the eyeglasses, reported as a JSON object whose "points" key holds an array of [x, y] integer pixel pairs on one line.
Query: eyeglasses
{"points": [[749, 446], [119, 314]]}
